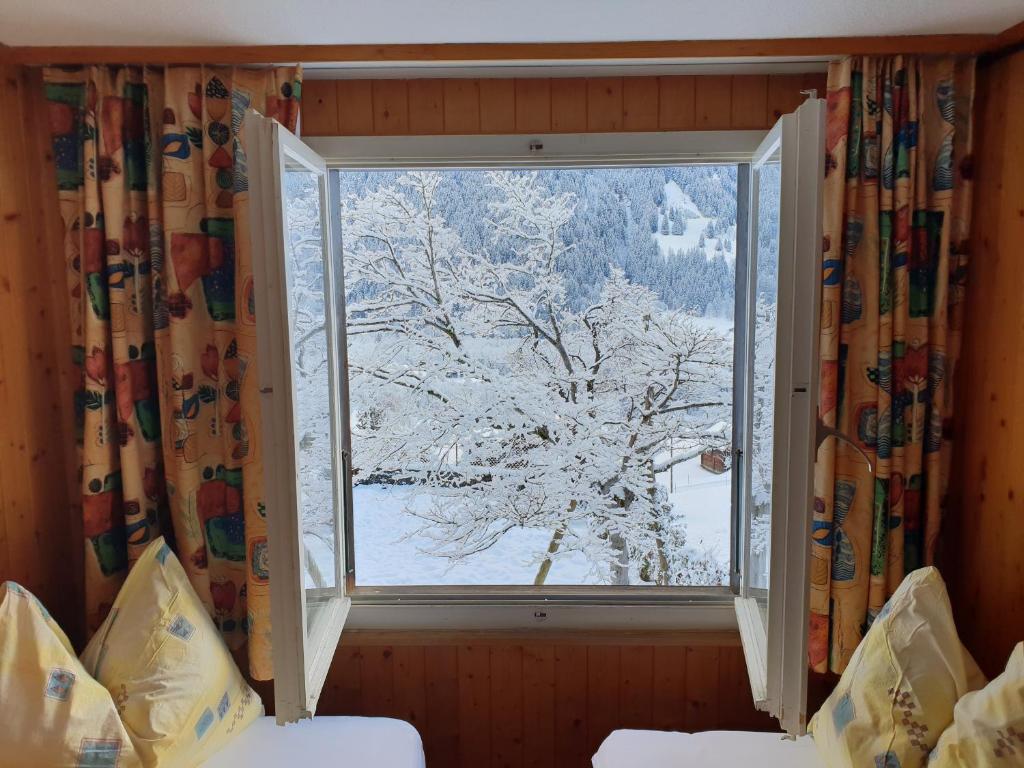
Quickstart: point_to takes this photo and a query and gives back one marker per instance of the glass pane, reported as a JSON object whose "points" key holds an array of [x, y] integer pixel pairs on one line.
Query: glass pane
{"points": [[312, 384], [540, 374], [768, 180]]}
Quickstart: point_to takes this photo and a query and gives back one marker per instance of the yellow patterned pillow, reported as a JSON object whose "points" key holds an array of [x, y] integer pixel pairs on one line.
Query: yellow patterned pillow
{"points": [[174, 682], [897, 694], [988, 725], [53, 713]]}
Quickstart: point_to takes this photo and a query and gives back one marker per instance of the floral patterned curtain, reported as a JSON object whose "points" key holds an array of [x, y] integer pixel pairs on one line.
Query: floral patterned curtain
{"points": [[897, 218], [153, 195]]}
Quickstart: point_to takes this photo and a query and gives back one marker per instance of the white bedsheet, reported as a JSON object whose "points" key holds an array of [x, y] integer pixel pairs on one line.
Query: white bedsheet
{"points": [[324, 742], [709, 749]]}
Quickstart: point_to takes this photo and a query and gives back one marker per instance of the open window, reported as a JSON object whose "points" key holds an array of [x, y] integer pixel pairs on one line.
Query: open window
{"points": [[303, 407], [775, 435], [583, 382], [539, 346]]}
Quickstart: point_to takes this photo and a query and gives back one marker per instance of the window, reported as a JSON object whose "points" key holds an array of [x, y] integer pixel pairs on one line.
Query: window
{"points": [[540, 374], [574, 370], [777, 429], [303, 450]]}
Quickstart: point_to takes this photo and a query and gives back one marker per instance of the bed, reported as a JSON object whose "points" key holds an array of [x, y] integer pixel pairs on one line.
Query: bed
{"points": [[710, 749], [330, 742]]}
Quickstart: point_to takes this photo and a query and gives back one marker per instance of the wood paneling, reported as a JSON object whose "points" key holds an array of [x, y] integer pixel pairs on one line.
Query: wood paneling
{"points": [[390, 100], [676, 107], [551, 105], [442, 732], [320, 107], [354, 107], [749, 102], [533, 105], [537, 703], [461, 106], [40, 527], [713, 103], [571, 705], [604, 104], [539, 706], [984, 524], [426, 106], [640, 103], [497, 106], [489, 52], [568, 105]]}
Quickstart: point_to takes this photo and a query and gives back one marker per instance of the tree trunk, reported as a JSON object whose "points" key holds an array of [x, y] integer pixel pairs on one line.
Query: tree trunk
{"points": [[662, 579], [620, 568], [556, 542], [545, 567]]}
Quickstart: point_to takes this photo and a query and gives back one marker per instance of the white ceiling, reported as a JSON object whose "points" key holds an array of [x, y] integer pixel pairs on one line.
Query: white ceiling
{"points": [[269, 22]]}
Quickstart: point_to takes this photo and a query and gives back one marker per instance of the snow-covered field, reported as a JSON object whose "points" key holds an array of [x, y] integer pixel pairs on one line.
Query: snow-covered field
{"points": [[696, 224], [389, 553]]}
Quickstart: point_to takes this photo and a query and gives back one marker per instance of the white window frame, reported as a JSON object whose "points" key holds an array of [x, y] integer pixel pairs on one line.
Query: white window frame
{"points": [[776, 654], [301, 653], [551, 607], [518, 608]]}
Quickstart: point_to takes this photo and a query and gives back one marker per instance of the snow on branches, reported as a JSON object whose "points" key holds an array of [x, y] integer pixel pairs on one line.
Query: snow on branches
{"points": [[473, 379]]}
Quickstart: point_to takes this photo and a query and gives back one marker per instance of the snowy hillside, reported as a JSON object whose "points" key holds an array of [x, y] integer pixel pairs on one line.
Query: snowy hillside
{"points": [[616, 212], [683, 227]]}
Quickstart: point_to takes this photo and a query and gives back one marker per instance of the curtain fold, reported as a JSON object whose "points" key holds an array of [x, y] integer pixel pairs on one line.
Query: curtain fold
{"points": [[153, 195], [897, 219]]}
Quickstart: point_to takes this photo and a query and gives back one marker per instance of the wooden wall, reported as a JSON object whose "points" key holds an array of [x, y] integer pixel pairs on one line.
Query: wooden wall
{"points": [[39, 522], [983, 541], [550, 105], [487, 702]]}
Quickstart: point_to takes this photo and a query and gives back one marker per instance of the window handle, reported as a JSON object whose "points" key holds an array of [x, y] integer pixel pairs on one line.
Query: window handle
{"points": [[823, 432]]}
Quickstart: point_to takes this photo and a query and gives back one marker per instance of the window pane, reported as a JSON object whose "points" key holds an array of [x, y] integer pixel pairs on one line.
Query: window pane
{"points": [[305, 254], [541, 374], [768, 179]]}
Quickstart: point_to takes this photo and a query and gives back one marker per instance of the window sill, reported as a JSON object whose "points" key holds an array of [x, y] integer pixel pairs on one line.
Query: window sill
{"points": [[527, 612]]}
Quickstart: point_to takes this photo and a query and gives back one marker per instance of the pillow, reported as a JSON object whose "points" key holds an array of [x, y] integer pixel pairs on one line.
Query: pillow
{"points": [[54, 714], [988, 725], [897, 694], [179, 693]]}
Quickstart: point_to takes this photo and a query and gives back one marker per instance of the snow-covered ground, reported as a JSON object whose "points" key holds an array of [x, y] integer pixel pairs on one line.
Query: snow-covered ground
{"points": [[696, 224], [389, 553]]}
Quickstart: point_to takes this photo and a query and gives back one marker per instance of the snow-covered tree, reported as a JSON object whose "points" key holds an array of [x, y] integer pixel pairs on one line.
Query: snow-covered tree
{"points": [[311, 370], [679, 226], [475, 379], [763, 432]]}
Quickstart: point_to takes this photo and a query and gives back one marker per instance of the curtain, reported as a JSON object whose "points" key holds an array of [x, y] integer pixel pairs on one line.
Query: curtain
{"points": [[153, 195], [897, 217]]}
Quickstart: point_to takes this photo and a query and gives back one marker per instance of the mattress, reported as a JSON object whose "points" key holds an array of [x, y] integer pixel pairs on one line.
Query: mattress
{"points": [[325, 742], [710, 749]]}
